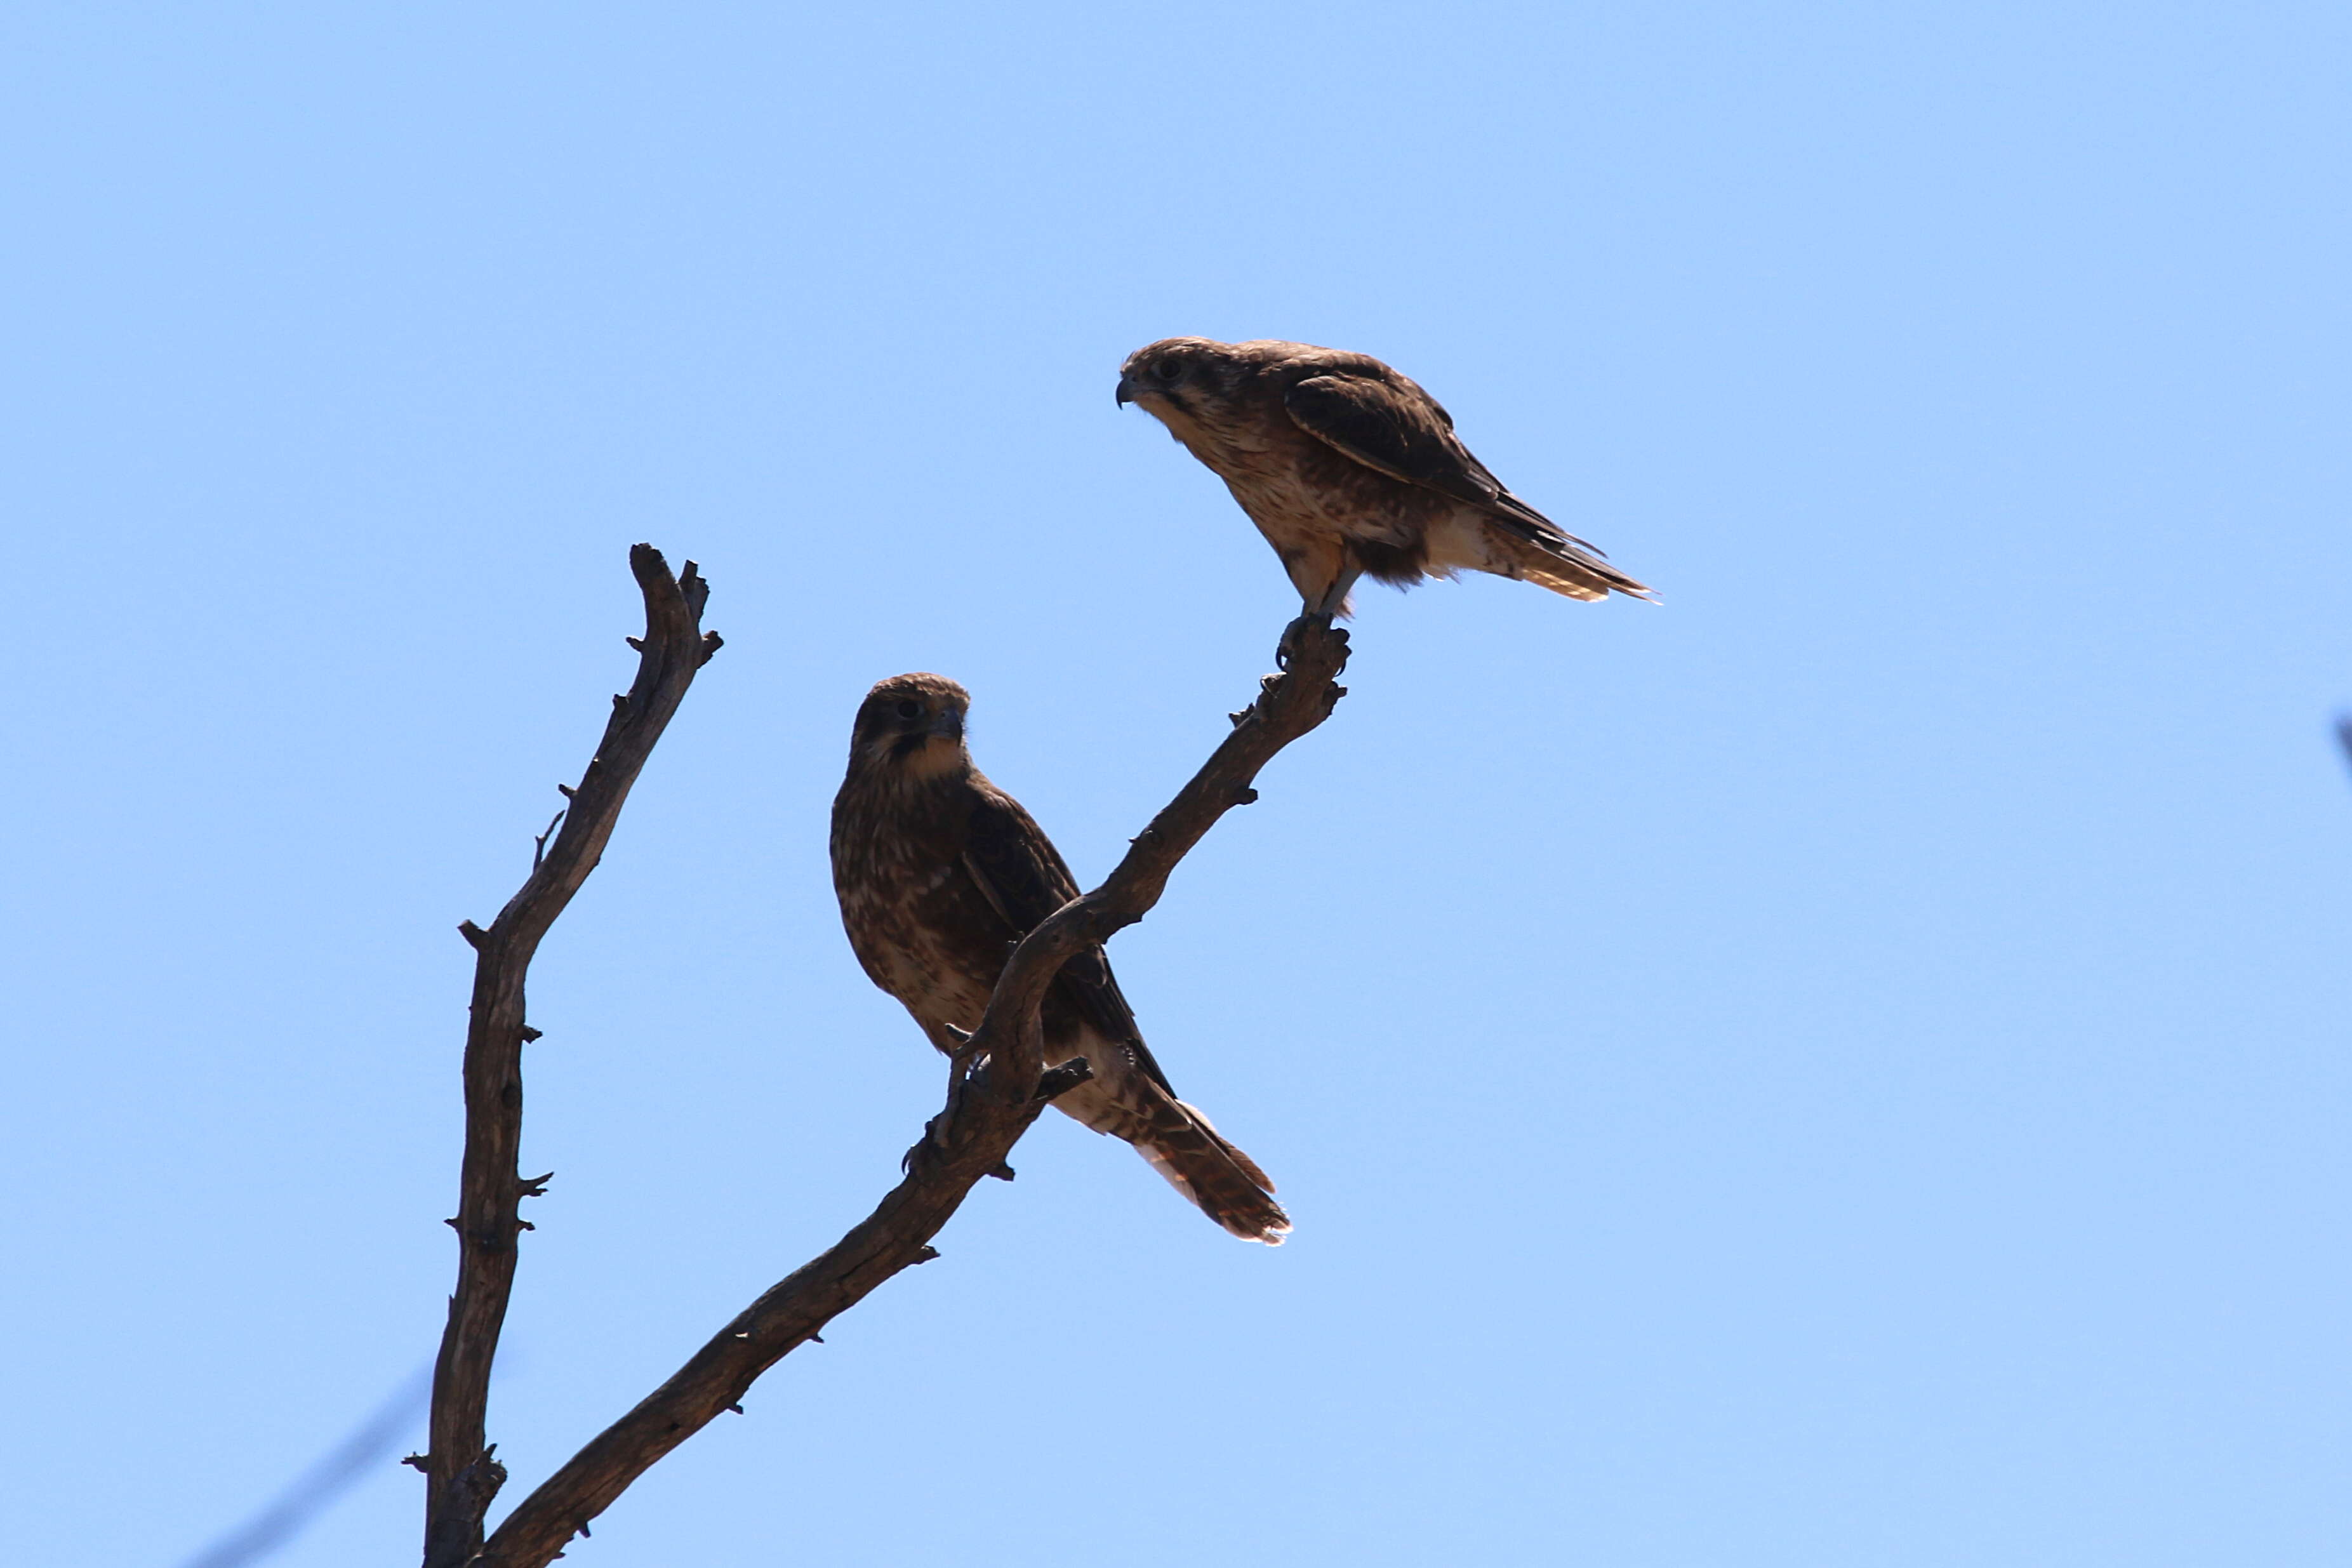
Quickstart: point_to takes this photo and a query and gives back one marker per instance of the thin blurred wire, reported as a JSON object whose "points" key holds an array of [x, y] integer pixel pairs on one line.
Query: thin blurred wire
{"points": [[2343, 733], [316, 1489]]}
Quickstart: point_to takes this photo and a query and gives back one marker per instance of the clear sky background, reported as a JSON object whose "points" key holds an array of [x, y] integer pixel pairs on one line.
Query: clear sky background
{"points": [[1845, 1068]]}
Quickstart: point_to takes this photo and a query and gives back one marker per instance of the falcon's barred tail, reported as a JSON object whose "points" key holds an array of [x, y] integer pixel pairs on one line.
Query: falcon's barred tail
{"points": [[1565, 569], [1223, 1182]]}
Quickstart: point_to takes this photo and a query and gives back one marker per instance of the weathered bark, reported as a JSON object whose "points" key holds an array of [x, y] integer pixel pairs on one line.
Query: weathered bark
{"points": [[462, 1475]]}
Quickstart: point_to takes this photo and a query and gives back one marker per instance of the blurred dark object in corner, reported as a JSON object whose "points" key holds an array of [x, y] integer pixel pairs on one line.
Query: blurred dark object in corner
{"points": [[312, 1493]]}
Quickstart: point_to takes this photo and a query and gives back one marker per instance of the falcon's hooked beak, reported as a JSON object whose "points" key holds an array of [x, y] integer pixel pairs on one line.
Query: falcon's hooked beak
{"points": [[1135, 389], [918, 752]]}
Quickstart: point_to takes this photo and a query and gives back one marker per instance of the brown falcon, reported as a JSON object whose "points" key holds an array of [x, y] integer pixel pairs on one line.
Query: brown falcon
{"points": [[939, 873], [1348, 467]]}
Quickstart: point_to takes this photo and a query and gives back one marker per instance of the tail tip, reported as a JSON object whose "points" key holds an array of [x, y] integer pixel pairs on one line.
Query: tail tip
{"points": [[1267, 1230]]}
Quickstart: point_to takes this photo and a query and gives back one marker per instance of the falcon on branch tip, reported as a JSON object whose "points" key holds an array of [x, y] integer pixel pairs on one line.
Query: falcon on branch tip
{"points": [[1348, 467], [939, 873]]}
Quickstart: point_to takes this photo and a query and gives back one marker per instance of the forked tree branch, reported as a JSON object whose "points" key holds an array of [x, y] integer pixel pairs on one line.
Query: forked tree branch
{"points": [[968, 1141], [461, 1475]]}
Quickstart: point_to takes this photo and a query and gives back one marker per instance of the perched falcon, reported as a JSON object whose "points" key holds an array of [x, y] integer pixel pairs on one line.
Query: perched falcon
{"points": [[939, 873], [1347, 467]]}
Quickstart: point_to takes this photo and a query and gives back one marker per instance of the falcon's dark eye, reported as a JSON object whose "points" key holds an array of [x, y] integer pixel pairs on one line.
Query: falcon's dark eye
{"points": [[1169, 369], [909, 708]]}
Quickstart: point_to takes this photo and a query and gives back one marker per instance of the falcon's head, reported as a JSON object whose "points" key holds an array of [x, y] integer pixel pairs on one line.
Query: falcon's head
{"points": [[1180, 378], [1208, 393], [910, 728]]}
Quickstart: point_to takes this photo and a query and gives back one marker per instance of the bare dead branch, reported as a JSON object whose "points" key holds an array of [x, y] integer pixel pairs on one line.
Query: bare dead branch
{"points": [[970, 1140], [461, 1474]]}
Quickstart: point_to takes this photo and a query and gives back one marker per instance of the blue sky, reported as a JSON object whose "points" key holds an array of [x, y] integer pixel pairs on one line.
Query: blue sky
{"points": [[1844, 1069]]}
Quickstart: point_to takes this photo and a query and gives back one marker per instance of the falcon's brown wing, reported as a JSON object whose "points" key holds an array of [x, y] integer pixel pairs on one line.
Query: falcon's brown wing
{"points": [[1402, 432], [1024, 876]]}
